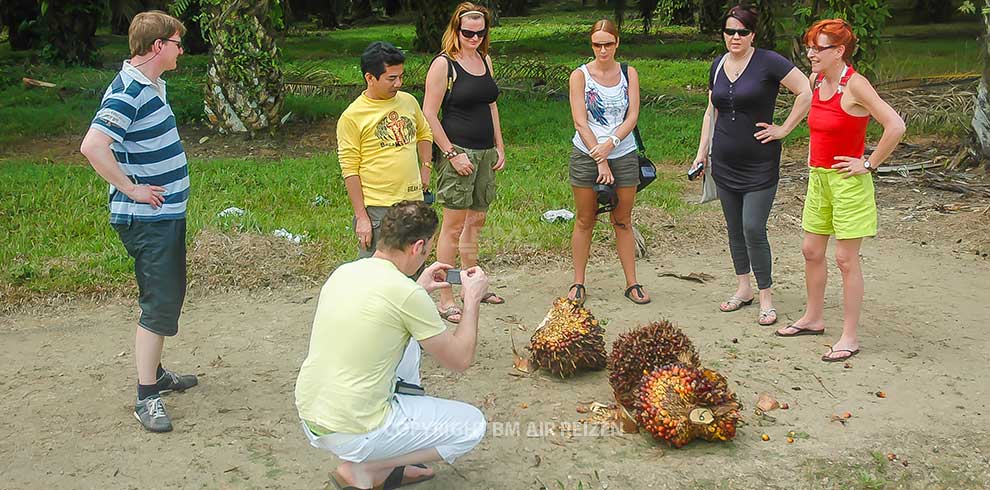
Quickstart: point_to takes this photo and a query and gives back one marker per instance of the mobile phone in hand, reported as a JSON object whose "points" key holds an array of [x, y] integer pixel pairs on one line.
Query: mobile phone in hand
{"points": [[694, 172], [454, 276]]}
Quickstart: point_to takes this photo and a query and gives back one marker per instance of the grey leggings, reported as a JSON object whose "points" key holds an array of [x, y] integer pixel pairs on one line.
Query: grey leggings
{"points": [[746, 215]]}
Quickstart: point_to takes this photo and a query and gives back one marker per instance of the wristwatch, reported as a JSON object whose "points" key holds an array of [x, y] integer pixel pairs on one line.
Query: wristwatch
{"points": [[615, 140], [428, 164], [869, 166]]}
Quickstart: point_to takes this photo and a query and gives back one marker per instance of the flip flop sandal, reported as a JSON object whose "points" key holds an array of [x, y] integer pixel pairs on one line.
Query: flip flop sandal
{"points": [[735, 302], [498, 301], [766, 314], [398, 479], [826, 357], [581, 294], [799, 331], [339, 483], [639, 289], [451, 311]]}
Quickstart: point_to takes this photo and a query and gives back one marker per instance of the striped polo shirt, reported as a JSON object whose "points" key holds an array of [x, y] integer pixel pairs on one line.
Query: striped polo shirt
{"points": [[146, 145]]}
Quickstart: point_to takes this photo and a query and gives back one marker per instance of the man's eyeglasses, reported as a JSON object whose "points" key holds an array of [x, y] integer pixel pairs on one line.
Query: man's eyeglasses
{"points": [[468, 34], [178, 44], [819, 49], [608, 45], [733, 32]]}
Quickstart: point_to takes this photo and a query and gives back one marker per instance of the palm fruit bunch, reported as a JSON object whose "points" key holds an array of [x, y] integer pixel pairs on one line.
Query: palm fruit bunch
{"points": [[644, 349], [568, 339], [679, 403]]}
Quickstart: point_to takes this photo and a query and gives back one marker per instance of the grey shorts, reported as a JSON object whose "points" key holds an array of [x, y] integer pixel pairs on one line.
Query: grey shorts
{"points": [[159, 252], [375, 213], [584, 170]]}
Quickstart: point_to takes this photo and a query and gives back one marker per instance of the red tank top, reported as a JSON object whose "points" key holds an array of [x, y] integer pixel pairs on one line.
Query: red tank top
{"points": [[834, 132]]}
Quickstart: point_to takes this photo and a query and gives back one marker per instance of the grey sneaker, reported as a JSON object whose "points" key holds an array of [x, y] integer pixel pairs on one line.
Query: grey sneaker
{"points": [[151, 413], [170, 382]]}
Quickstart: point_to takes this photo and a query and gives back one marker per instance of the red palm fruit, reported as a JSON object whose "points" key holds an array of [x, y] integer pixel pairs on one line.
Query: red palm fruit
{"points": [[668, 396], [568, 339], [643, 350]]}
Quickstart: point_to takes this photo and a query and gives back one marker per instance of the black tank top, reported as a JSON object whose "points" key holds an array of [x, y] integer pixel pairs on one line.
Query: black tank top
{"points": [[467, 118]]}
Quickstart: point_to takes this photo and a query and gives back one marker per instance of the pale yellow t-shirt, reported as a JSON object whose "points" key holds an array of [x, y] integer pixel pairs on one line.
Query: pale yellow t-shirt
{"points": [[367, 311], [376, 140]]}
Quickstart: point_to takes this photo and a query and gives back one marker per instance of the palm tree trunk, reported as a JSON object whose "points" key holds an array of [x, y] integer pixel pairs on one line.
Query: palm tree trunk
{"points": [[981, 114], [244, 81], [766, 31], [433, 18], [20, 18], [70, 27], [710, 14]]}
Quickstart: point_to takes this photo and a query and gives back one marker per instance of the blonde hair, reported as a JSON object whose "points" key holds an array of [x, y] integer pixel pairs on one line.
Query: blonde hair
{"points": [[450, 45], [148, 27]]}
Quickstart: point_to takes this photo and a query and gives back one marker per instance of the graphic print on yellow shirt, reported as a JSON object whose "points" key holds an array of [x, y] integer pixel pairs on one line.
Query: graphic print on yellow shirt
{"points": [[395, 130]]}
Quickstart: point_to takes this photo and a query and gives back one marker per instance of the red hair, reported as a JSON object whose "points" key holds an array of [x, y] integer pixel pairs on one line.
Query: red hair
{"points": [[838, 31]]}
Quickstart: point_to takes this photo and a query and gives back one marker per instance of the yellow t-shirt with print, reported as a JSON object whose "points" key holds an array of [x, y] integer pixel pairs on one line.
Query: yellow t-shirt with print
{"points": [[368, 310], [376, 140]]}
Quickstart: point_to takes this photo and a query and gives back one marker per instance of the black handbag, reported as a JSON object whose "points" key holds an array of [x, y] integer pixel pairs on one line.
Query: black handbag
{"points": [[647, 170]]}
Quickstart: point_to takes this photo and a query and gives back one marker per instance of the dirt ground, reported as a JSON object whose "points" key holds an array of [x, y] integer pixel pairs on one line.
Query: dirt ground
{"points": [[67, 374]]}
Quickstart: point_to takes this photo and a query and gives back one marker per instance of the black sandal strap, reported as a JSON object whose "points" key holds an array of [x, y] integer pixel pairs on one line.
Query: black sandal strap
{"points": [[394, 479], [637, 287], [580, 290]]}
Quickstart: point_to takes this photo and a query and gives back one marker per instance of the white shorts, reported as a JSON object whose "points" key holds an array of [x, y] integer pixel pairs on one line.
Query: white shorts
{"points": [[414, 422]]}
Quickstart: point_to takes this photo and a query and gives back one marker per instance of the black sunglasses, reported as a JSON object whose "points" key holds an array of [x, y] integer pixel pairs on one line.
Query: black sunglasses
{"points": [[469, 34], [733, 32], [608, 45]]}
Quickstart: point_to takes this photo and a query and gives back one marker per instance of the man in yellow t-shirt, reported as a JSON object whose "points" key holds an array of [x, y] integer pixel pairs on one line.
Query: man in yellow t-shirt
{"points": [[381, 139], [370, 322]]}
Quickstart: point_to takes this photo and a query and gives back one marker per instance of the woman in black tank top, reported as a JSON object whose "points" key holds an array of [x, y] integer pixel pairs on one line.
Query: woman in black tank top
{"points": [[460, 85]]}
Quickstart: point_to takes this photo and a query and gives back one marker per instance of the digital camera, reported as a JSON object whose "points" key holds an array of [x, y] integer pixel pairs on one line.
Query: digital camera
{"points": [[607, 198]]}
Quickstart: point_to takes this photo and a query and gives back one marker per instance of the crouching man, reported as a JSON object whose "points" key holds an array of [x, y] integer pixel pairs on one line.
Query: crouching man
{"points": [[357, 389]]}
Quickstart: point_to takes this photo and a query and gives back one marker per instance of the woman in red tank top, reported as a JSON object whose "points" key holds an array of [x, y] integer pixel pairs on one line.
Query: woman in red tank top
{"points": [[840, 199]]}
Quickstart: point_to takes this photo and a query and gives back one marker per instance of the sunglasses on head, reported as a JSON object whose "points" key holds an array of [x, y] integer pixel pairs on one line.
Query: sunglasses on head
{"points": [[469, 33], [733, 32]]}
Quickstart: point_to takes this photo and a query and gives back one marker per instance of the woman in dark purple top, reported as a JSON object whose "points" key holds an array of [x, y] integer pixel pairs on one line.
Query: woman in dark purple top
{"points": [[745, 151]]}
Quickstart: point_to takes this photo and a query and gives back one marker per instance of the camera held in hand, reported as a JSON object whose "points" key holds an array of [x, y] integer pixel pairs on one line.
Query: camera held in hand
{"points": [[607, 198]]}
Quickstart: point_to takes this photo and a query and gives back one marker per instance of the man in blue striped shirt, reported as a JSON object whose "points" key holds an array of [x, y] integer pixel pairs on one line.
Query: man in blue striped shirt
{"points": [[134, 145]]}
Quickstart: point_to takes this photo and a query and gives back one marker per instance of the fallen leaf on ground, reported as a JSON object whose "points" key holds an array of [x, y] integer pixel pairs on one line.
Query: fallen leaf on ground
{"points": [[522, 364], [767, 403], [626, 421], [699, 277]]}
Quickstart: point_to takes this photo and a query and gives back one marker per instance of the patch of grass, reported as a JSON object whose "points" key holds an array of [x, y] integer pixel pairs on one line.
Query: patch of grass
{"points": [[45, 253]]}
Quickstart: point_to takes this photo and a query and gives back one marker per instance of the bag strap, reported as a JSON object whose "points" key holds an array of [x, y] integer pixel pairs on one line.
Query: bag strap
{"points": [[639, 139], [711, 118], [450, 81]]}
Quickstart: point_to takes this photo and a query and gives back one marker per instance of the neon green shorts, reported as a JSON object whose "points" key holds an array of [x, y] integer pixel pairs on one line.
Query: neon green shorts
{"points": [[844, 207]]}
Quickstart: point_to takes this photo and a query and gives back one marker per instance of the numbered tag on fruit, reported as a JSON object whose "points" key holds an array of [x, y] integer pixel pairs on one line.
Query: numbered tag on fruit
{"points": [[701, 416]]}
